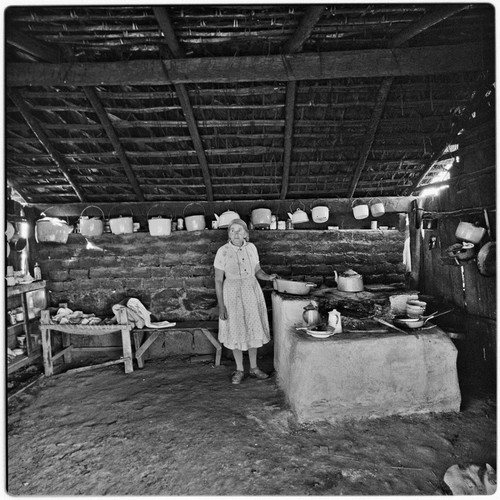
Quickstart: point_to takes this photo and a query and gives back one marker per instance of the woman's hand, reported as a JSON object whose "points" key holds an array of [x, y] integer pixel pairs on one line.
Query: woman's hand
{"points": [[272, 277], [223, 312]]}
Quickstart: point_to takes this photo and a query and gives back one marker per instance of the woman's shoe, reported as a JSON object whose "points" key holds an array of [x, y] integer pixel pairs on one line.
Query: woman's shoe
{"points": [[237, 377], [258, 373]]}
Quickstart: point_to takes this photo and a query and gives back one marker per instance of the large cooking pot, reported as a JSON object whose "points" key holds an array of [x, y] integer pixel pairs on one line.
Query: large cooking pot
{"points": [[261, 218], [52, 229], [349, 281], [226, 218], [194, 222], [292, 287]]}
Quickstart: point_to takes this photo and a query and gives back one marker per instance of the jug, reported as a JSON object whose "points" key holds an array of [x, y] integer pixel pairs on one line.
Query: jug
{"points": [[335, 321], [311, 314]]}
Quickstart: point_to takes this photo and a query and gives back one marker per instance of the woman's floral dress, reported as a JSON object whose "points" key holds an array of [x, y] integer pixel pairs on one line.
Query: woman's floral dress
{"points": [[247, 324]]}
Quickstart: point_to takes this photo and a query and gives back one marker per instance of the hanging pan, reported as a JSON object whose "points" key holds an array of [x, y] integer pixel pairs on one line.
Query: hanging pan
{"points": [[486, 258]]}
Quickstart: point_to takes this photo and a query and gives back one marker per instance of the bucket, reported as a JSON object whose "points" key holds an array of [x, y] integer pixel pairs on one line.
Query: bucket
{"points": [[52, 229], [121, 225], [194, 222], [91, 226], [158, 225], [360, 209], [377, 207]]}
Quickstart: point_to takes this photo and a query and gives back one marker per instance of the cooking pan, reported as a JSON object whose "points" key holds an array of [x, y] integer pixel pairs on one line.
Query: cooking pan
{"points": [[292, 287], [406, 322], [486, 258]]}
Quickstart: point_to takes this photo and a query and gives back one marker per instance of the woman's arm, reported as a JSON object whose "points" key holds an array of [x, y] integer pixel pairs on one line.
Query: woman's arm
{"points": [[219, 280], [262, 275]]}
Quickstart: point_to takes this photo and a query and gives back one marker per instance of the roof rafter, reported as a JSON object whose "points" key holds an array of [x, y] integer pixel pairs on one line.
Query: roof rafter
{"points": [[294, 44], [183, 96], [113, 137], [46, 51], [44, 139], [411, 31]]}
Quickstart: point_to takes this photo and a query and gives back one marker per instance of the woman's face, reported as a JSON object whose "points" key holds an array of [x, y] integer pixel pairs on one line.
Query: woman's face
{"points": [[237, 234]]}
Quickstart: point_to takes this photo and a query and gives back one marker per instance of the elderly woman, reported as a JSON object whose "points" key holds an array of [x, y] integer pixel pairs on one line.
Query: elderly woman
{"points": [[243, 322]]}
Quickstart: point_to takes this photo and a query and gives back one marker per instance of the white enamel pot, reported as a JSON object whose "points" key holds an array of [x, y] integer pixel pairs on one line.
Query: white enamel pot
{"points": [[360, 209], [349, 282], [292, 287], [469, 232], [377, 207], [320, 214], [91, 226], [52, 230], [121, 224], [159, 225], [194, 222], [226, 218], [261, 217]]}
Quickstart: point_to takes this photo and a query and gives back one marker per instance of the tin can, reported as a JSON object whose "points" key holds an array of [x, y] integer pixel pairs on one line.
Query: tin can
{"points": [[180, 223]]}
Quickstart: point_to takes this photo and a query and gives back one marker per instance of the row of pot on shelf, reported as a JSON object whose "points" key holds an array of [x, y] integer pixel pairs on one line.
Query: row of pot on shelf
{"points": [[57, 230]]}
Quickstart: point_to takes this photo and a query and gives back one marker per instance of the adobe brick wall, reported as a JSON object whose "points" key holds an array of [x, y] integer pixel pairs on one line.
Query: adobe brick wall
{"points": [[173, 276]]}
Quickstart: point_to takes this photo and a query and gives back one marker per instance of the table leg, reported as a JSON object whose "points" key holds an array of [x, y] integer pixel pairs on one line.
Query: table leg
{"points": [[138, 336], [47, 351], [215, 343], [66, 342], [127, 350]]}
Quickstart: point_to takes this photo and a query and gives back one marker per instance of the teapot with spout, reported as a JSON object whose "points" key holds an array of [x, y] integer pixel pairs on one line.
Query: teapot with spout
{"points": [[349, 281], [311, 314], [226, 218]]}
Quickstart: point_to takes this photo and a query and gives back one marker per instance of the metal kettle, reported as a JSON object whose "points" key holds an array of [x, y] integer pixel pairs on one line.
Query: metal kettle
{"points": [[311, 314]]}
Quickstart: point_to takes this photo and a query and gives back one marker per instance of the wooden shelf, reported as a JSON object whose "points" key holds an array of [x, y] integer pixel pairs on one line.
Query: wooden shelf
{"points": [[19, 289]]}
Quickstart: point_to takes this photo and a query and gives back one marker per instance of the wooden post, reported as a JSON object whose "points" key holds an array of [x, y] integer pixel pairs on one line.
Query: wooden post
{"points": [[126, 342], [46, 343]]}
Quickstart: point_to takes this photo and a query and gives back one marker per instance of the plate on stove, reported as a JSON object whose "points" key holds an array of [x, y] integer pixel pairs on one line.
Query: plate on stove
{"points": [[320, 332]]}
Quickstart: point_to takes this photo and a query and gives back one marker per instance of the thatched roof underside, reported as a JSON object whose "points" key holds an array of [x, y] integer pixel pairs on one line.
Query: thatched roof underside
{"points": [[240, 102]]}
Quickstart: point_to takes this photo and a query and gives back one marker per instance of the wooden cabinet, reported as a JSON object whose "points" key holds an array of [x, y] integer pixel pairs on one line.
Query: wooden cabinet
{"points": [[31, 298]]}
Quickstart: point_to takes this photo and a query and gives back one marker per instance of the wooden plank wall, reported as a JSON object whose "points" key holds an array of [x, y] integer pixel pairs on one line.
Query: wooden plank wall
{"points": [[473, 295]]}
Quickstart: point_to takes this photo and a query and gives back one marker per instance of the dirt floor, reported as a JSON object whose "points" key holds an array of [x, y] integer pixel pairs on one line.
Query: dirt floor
{"points": [[179, 427]]}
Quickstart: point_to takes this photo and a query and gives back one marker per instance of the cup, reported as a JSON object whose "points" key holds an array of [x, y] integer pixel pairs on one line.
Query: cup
{"points": [[373, 224], [136, 226], [21, 341]]}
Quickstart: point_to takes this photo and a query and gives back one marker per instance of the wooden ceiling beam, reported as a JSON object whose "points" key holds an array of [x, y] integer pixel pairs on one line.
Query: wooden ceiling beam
{"points": [[113, 137], [370, 63], [44, 139], [411, 31], [36, 48], [175, 48], [294, 44], [304, 29]]}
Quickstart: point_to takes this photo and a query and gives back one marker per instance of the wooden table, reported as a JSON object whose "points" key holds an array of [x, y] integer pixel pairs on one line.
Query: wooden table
{"points": [[141, 347], [47, 328]]}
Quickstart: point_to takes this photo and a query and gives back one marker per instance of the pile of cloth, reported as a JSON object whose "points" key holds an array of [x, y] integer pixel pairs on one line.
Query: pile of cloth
{"points": [[137, 314], [66, 316]]}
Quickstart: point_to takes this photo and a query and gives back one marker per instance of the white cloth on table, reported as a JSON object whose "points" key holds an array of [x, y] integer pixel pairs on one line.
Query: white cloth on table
{"points": [[247, 324], [138, 315]]}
